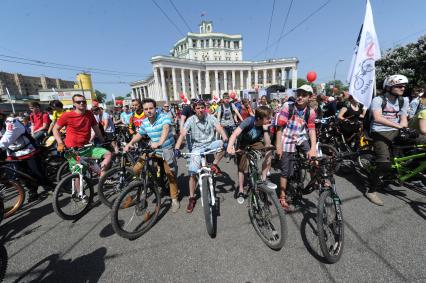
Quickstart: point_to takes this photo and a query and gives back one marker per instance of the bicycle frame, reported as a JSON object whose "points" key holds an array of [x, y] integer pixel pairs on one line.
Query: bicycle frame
{"points": [[404, 173]]}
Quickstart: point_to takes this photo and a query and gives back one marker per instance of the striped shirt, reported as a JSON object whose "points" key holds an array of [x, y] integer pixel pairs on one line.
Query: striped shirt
{"points": [[294, 131], [154, 130], [202, 131]]}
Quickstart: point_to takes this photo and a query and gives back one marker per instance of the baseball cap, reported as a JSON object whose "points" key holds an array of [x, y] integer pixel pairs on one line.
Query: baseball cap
{"points": [[306, 88]]}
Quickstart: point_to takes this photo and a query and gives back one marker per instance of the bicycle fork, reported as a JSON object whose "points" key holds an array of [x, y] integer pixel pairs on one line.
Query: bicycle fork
{"points": [[211, 189], [78, 186]]}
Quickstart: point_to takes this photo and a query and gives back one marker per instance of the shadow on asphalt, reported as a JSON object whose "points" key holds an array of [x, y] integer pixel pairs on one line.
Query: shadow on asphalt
{"points": [[86, 268]]}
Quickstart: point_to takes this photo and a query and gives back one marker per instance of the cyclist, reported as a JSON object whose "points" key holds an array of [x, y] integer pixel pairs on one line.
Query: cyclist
{"points": [[58, 109], [253, 132], [157, 128], [40, 122], [295, 123], [349, 116], [187, 112], [137, 117], [201, 127], [418, 122], [79, 124], [19, 145], [246, 110], [389, 112], [125, 115]]}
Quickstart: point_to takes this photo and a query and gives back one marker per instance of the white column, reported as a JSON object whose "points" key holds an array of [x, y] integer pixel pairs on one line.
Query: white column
{"points": [[163, 85], [182, 76], [225, 80], [207, 79], [175, 90], [294, 78], [256, 78], [233, 80], [287, 77], [249, 79], [264, 77], [216, 80], [274, 76], [199, 82], [191, 79], [156, 84], [241, 79], [283, 72]]}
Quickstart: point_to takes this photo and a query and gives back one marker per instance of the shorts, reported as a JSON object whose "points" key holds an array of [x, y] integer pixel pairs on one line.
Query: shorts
{"points": [[287, 163], [93, 152], [195, 160], [242, 158]]}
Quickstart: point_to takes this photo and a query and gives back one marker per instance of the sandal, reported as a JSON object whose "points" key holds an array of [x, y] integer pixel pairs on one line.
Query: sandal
{"points": [[284, 204]]}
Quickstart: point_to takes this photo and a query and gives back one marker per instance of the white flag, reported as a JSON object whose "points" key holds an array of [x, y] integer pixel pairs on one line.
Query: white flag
{"points": [[362, 72], [113, 98]]}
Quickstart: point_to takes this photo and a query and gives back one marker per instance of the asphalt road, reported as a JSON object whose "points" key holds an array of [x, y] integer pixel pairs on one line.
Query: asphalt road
{"points": [[382, 244]]}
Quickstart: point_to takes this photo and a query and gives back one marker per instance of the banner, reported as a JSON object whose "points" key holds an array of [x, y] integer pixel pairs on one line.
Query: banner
{"points": [[362, 73]]}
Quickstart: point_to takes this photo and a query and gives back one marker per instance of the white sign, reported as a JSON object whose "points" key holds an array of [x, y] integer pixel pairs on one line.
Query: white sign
{"points": [[48, 95]]}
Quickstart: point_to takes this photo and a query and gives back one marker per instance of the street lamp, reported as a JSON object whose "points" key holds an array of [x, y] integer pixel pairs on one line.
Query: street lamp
{"points": [[335, 67]]}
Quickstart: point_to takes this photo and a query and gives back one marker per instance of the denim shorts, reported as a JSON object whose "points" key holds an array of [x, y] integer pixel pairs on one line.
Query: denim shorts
{"points": [[195, 160]]}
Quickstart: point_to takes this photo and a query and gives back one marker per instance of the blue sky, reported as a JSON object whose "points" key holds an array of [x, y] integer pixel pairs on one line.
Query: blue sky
{"points": [[122, 35]]}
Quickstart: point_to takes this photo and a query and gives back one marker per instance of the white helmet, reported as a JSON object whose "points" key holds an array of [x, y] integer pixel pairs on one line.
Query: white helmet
{"points": [[395, 80]]}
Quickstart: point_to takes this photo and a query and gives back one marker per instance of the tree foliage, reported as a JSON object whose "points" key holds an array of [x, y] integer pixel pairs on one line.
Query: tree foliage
{"points": [[100, 96], [408, 60]]}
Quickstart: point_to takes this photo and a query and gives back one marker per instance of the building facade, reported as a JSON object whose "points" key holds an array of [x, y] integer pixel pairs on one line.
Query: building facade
{"points": [[210, 63]]}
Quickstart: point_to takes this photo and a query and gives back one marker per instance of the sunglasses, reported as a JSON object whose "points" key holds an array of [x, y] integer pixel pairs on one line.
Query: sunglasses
{"points": [[80, 102]]}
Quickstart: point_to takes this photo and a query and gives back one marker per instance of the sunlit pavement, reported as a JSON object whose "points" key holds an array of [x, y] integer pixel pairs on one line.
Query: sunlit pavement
{"points": [[382, 244]]}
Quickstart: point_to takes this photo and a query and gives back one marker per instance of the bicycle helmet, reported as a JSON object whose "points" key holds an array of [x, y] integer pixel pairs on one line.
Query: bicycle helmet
{"points": [[395, 80]]}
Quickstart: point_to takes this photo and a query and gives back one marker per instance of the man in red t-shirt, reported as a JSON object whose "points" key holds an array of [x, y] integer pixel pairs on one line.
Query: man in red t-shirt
{"points": [[79, 123], [40, 121]]}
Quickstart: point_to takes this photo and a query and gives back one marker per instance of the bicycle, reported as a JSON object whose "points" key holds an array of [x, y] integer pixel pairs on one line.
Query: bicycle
{"points": [[206, 184], [76, 189], [139, 200], [329, 220], [271, 226]]}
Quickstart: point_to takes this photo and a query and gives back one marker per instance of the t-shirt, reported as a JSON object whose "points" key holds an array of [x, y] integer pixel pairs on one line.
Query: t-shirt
{"points": [[226, 118], [125, 117], [187, 111], [202, 130], [415, 121], [250, 132], [136, 121], [109, 128], [245, 112], [154, 130], [78, 127], [56, 115], [391, 112], [38, 119]]}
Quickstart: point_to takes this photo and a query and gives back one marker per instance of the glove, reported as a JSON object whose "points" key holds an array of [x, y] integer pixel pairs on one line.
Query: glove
{"points": [[60, 147], [177, 153]]}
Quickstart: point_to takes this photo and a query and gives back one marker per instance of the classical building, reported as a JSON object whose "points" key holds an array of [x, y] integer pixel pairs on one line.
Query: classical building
{"points": [[210, 63]]}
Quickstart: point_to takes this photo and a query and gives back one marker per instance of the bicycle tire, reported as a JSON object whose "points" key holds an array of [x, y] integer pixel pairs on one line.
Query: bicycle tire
{"points": [[8, 189], [108, 198], [257, 199], [333, 252], [63, 171], [209, 210], [329, 150], [130, 199], [64, 189], [3, 261], [1, 208]]}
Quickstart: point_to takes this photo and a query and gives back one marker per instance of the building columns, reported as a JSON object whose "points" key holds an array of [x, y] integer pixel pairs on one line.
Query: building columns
{"points": [[233, 80], [283, 76], [163, 85], [225, 80], [175, 90], [156, 84], [274, 76], [182, 76], [191, 78], [216, 80], [241, 79], [256, 78], [294, 78], [199, 82], [207, 79], [265, 74], [249, 79]]}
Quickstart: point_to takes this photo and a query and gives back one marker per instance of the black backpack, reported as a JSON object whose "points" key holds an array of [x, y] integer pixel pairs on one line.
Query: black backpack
{"points": [[368, 119]]}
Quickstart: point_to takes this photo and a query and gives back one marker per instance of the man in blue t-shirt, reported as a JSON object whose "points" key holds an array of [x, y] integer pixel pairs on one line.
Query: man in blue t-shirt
{"points": [[125, 115]]}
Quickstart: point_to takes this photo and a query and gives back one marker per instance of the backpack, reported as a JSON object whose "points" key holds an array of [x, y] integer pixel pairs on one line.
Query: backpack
{"points": [[368, 119], [222, 109], [291, 112]]}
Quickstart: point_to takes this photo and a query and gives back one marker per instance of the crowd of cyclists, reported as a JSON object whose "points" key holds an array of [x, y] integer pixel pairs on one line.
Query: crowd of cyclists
{"points": [[289, 123]]}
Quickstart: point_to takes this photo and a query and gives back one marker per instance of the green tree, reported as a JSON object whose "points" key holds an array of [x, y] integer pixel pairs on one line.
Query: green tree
{"points": [[408, 60], [129, 94], [336, 84], [119, 98], [109, 102], [100, 96]]}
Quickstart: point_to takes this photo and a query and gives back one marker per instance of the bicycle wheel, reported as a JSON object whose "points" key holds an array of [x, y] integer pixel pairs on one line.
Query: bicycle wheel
{"points": [[113, 182], [330, 227], [13, 196], [3, 261], [63, 171], [1, 208], [267, 218], [135, 210], [69, 205], [209, 210], [329, 150]]}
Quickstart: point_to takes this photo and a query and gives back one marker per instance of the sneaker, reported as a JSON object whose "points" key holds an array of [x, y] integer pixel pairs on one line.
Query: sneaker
{"points": [[175, 205], [215, 169], [374, 198], [240, 198], [191, 205]]}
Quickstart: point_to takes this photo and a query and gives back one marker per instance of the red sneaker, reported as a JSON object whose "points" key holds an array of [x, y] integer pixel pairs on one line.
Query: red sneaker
{"points": [[191, 205], [215, 169]]}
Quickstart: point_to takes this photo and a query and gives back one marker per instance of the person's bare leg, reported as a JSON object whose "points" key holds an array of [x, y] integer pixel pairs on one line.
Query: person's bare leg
{"points": [[283, 186], [266, 165], [240, 182], [192, 186], [105, 163]]}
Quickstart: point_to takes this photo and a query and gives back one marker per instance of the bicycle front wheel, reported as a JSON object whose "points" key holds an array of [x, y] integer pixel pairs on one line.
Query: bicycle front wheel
{"points": [[113, 182], [209, 209], [13, 197], [68, 203], [330, 226], [135, 210], [268, 218]]}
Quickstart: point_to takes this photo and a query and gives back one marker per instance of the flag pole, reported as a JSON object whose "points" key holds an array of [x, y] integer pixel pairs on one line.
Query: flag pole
{"points": [[11, 102]]}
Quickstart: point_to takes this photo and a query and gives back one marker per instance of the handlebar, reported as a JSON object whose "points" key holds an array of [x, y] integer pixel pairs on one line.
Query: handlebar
{"points": [[201, 153], [248, 149]]}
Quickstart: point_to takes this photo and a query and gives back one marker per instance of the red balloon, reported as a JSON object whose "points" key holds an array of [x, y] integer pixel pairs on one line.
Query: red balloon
{"points": [[182, 96], [311, 76], [185, 100], [232, 95], [215, 97]]}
